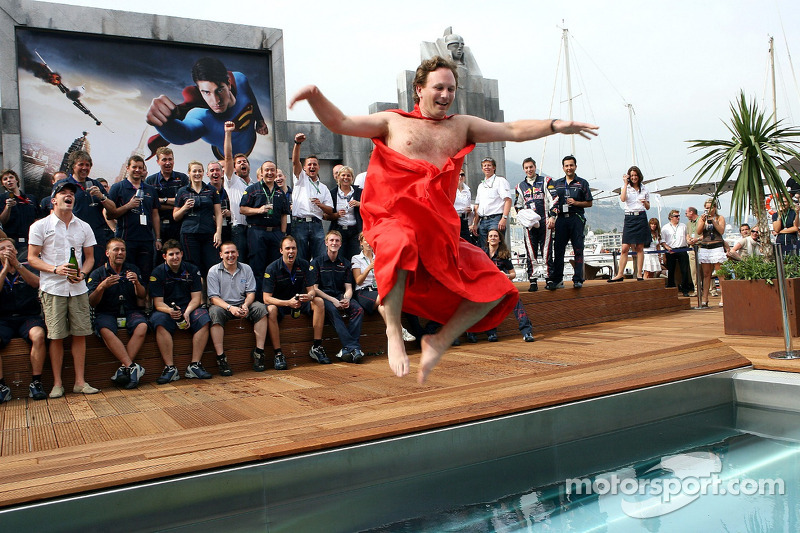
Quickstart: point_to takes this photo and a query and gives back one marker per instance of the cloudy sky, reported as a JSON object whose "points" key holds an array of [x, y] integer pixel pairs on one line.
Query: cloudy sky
{"points": [[679, 64]]}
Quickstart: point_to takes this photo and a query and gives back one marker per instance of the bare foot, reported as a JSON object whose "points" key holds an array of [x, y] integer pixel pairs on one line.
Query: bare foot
{"points": [[398, 359], [432, 350]]}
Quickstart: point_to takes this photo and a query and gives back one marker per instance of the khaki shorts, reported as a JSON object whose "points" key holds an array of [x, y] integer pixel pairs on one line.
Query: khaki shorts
{"points": [[66, 315]]}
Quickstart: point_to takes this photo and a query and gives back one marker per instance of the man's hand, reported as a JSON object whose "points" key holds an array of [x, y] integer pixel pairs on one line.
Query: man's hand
{"points": [[160, 111], [570, 127], [299, 138], [112, 280], [501, 225], [303, 94], [229, 126], [551, 222]]}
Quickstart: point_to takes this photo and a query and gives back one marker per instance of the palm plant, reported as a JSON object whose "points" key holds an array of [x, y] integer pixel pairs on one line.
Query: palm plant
{"points": [[758, 146]]}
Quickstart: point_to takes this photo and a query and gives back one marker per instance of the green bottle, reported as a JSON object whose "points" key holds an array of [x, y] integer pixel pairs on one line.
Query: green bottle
{"points": [[73, 261]]}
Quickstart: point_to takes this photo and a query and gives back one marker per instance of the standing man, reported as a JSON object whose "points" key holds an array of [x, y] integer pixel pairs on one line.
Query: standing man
{"points": [[115, 290], [215, 179], [335, 286], [311, 202], [571, 195], [290, 288], [237, 180], [463, 205], [138, 219], [692, 238], [492, 202], [674, 236], [410, 196], [167, 181], [17, 211], [232, 294], [20, 316], [531, 193], [266, 209], [62, 288], [90, 200], [177, 291]]}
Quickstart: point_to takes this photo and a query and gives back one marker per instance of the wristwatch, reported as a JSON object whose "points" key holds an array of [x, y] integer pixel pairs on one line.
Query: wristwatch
{"points": [[505, 216]]}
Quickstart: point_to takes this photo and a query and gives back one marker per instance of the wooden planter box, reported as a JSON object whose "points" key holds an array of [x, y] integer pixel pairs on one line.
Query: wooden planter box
{"points": [[754, 308]]}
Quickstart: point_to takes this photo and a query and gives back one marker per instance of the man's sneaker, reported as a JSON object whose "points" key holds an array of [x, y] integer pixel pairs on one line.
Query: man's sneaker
{"points": [[534, 286], [170, 373], [280, 362], [528, 337], [492, 337], [345, 355], [472, 338], [577, 284], [318, 354], [224, 367], [5, 393], [121, 377], [550, 286], [135, 372], [196, 371], [358, 356], [258, 361], [36, 390], [408, 337]]}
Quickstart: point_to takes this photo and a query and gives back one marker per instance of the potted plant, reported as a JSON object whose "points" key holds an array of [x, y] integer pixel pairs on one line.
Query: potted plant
{"points": [[752, 303]]}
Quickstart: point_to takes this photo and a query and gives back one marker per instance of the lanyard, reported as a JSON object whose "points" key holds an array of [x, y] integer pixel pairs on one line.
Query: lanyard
{"points": [[268, 195], [12, 282], [314, 184]]}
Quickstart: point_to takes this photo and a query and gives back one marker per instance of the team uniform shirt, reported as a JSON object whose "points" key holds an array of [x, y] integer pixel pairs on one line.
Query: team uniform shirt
{"points": [[332, 275], [531, 194], [361, 262], [578, 190], [224, 203], [463, 201], [21, 216], [17, 298], [167, 188], [91, 214], [491, 195], [304, 190], [284, 284], [202, 219], [634, 200], [110, 301], [175, 286], [232, 288], [136, 224], [236, 187], [257, 195], [674, 236], [503, 264], [56, 239]]}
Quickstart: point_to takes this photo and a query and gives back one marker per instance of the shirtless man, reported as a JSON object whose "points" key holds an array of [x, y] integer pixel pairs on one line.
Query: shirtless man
{"points": [[435, 140]]}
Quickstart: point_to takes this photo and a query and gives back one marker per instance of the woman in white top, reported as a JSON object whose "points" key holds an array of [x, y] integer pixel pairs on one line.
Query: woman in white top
{"points": [[366, 293], [636, 232], [652, 261]]}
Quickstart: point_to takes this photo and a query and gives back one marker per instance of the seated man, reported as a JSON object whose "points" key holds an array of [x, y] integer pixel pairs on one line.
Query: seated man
{"points": [[335, 287], [232, 293], [115, 290], [290, 287], [20, 316], [177, 291]]}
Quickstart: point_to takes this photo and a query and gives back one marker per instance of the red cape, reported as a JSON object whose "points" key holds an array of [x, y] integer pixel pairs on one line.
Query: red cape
{"points": [[410, 222]]}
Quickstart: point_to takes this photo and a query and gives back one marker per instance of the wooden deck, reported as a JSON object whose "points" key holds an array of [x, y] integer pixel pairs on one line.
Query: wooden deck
{"points": [[80, 443]]}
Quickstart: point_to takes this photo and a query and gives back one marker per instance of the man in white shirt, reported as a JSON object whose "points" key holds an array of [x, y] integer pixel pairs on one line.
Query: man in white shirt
{"points": [[64, 293], [492, 203], [237, 179], [675, 238], [311, 201]]}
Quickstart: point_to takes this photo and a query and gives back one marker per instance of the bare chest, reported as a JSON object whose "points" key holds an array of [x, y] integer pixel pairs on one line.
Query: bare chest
{"points": [[432, 141]]}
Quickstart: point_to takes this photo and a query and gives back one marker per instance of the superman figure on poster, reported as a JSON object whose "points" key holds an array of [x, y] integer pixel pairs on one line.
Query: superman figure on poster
{"points": [[217, 96]]}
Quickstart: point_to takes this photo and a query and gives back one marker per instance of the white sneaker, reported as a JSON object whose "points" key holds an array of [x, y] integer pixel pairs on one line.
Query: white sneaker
{"points": [[408, 337]]}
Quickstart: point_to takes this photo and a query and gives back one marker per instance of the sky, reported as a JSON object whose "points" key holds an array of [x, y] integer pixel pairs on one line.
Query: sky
{"points": [[679, 64]]}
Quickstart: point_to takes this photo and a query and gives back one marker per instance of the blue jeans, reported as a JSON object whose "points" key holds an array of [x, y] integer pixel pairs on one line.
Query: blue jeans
{"points": [[239, 238], [524, 322], [310, 238], [348, 332], [487, 224]]}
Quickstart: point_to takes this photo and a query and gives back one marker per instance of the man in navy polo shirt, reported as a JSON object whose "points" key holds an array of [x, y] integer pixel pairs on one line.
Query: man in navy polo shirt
{"points": [[115, 290], [290, 287], [20, 316], [167, 182], [179, 283], [266, 208], [335, 287], [17, 211], [138, 220]]}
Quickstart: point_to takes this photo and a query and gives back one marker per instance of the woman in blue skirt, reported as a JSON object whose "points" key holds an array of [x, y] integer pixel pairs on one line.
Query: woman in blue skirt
{"points": [[635, 232]]}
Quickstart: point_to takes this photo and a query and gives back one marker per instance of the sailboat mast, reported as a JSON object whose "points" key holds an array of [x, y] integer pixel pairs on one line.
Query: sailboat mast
{"points": [[630, 120], [772, 72], [565, 36]]}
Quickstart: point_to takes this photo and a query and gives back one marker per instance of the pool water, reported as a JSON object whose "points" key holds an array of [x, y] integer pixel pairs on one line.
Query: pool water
{"points": [[765, 471]]}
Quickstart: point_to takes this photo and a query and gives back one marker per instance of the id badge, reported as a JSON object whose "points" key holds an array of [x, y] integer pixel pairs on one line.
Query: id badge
{"points": [[143, 219]]}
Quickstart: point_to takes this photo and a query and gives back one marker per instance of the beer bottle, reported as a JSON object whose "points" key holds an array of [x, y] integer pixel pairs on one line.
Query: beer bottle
{"points": [[182, 324], [296, 312], [121, 318]]}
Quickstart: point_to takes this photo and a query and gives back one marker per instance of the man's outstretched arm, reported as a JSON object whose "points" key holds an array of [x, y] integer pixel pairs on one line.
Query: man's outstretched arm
{"points": [[369, 126], [482, 131]]}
